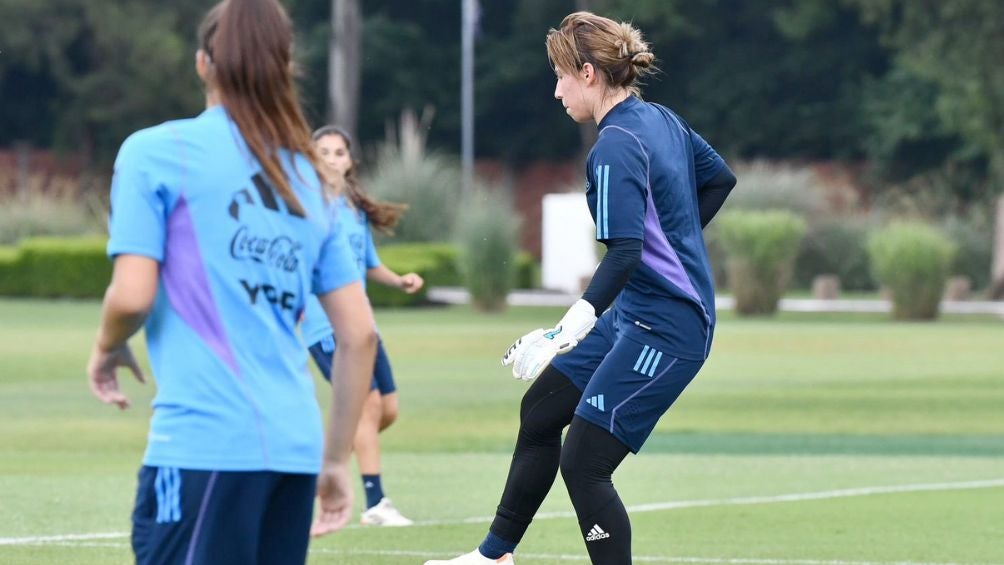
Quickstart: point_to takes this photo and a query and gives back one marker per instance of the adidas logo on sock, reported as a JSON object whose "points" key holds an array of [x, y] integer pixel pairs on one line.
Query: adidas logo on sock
{"points": [[596, 533]]}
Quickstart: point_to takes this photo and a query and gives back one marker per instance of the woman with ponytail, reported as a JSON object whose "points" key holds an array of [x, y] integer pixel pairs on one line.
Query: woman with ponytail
{"points": [[652, 184], [220, 232], [355, 211]]}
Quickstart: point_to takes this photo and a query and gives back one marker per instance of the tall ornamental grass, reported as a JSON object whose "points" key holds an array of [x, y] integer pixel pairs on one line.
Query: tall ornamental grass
{"points": [[760, 247], [912, 260], [487, 234]]}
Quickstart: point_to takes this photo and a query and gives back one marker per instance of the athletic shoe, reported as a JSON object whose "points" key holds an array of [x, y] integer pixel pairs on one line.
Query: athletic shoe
{"points": [[384, 514], [475, 558]]}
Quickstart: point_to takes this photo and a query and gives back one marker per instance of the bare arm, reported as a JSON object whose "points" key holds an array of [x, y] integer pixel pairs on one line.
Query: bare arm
{"points": [[127, 302], [410, 282], [351, 319]]}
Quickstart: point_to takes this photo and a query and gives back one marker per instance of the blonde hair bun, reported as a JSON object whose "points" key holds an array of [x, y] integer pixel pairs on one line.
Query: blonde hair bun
{"points": [[643, 60], [616, 49]]}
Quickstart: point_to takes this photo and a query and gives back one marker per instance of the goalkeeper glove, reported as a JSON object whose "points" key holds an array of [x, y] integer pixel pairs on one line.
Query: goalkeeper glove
{"points": [[533, 352]]}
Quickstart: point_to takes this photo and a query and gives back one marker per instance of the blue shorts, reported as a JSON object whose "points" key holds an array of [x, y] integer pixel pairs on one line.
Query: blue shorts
{"points": [[383, 378], [627, 378], [217, 517]]}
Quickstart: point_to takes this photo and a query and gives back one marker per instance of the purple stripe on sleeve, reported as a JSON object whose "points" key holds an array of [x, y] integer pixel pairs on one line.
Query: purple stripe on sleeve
{"points": [[187, 284], [658, 254]]}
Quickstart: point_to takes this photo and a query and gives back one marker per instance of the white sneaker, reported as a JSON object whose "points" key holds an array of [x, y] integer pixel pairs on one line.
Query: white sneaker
{"points": [[384, 514], [475, 558]]}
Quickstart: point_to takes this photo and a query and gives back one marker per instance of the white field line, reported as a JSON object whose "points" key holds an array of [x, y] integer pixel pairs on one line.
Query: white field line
{"points": [[652, 507], [747, 500], [553, 557], [44, 540]]}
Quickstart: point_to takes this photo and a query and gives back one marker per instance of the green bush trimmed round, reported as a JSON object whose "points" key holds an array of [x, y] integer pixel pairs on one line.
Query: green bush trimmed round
{"points": [[760, 247], [912, 260]]}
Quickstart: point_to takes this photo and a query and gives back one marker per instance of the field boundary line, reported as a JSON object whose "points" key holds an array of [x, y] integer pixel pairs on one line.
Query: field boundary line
{"points": [[651, 507], [750, 500], [43, 540], [551, 557]]}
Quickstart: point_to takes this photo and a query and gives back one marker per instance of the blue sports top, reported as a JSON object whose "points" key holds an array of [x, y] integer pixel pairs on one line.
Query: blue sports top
{"points": [[642, 177], [236, 267], [356, 226]]}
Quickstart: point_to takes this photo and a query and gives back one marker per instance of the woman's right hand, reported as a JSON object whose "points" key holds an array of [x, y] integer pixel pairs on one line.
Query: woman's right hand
{"points": [[334, 491], [101, 373]]}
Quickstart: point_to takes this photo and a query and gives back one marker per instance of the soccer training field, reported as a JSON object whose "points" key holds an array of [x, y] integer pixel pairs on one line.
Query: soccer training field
{"points": [[807, 439]]}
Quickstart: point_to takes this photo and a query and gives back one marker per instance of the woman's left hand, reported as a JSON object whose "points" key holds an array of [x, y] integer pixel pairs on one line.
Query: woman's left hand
{"points": [[412, 283]]}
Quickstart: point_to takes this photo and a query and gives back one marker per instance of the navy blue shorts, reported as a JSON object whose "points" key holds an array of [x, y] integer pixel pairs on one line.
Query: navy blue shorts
{"points": [[216, 517], [627, 378], [383, 378]]}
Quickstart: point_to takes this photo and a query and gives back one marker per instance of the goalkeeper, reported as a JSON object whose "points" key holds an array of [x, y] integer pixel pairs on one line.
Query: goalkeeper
{"points": [[652, 185]]}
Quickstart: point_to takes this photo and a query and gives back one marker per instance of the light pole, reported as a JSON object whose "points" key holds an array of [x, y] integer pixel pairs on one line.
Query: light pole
{"points": [[468, 22]]}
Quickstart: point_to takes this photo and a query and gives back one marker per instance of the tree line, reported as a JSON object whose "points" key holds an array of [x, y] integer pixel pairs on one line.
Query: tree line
{"points": [[911, 86]]}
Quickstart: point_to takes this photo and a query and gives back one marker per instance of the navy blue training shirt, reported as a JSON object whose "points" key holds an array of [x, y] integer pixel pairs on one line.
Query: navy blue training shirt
{"points": [[642, 179]]}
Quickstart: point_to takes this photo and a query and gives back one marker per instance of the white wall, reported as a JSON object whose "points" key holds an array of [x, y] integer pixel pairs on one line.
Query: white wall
{"points": [[568, 242]]}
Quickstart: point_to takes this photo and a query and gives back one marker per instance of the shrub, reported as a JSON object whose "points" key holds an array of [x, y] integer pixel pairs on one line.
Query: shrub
{"points": [[13, 281], [425, 259], [912, 260], [763, 186], [55, 267], [445, 270], [836, 247], [439, 260], [430, 186], [761, 248], [487, 235], [51, 267], [64, 267], [973, 236], [716, 256], [40, 214]]}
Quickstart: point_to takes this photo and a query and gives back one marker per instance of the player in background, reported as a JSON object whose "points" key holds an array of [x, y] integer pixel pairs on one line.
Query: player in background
{"points": [[652, 185], [355, 212], [219, 232]]}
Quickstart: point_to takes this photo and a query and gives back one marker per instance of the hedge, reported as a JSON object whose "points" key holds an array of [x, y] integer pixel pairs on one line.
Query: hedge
{"points": [[78, 268], [444, 257], [48, 267], [12, 283]]}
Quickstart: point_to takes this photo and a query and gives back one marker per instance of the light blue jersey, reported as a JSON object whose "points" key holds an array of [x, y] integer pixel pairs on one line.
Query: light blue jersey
{"points": [[356, 226], [236, 268]]}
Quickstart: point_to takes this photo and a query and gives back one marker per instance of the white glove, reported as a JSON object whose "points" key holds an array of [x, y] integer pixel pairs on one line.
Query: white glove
{"points": [[532, 353]]}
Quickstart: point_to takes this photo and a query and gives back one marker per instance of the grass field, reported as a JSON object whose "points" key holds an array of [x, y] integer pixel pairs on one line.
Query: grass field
{"points": [[807, 439]]}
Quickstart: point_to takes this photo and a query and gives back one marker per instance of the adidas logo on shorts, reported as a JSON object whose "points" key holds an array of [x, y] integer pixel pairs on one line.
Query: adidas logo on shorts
{"points": [[596, 533]]}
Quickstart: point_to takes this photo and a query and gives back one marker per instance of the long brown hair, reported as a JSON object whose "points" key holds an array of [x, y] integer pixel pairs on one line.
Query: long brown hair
{"points": [[382, 215], [249, 46], [616, 49]]}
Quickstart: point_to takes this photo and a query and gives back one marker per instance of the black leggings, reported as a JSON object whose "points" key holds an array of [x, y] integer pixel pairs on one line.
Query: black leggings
{"points": [[587, 462]]}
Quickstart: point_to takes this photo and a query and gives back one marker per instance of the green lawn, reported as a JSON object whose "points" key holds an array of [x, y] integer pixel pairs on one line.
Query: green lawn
{"points": [[816, 439]]}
